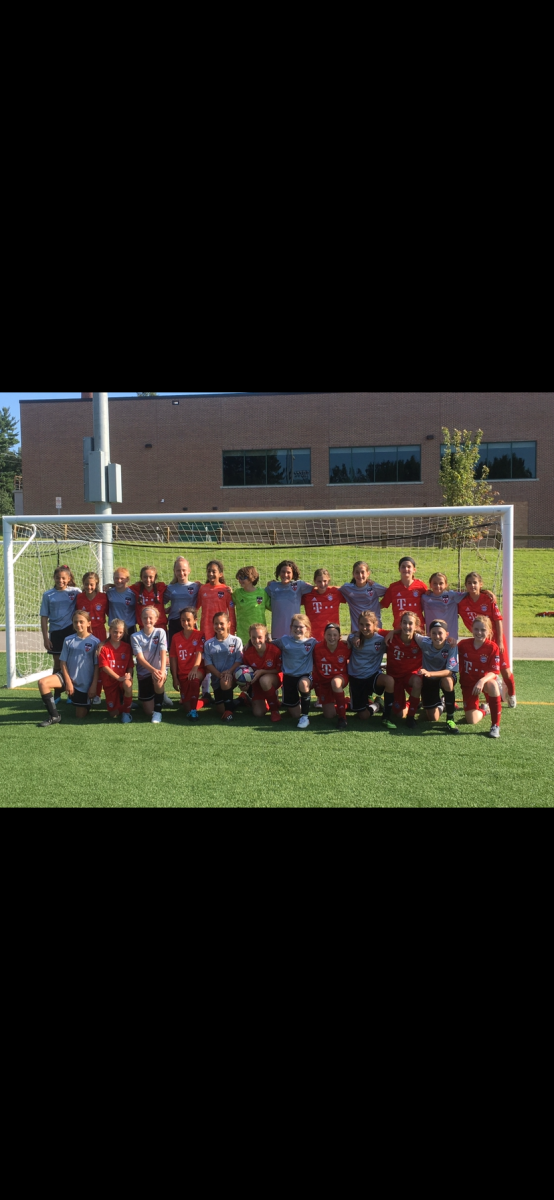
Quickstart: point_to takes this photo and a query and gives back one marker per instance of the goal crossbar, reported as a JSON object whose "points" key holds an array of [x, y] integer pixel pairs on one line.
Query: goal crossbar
{"points": [[104, 526]]}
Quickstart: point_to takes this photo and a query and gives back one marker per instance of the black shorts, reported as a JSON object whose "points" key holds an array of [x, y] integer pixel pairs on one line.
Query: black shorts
{"points": [[146, 689], [58, 636], [127, 637], [174, 627], [291, 695], [361, 691], [80, 699]]}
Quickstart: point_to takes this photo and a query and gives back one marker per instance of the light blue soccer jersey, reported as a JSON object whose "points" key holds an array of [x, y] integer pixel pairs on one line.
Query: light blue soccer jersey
{"points": [[445, 659], [442, 608], [223, 655], [366, 599], [80, 656], [286, 602], [59, 607], [122, 606], [150, 648], [298, 657], [367, 660], [182, 595]]}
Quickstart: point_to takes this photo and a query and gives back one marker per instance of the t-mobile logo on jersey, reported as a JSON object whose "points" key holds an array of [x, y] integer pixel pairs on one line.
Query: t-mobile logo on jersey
{"points": [[317, 606]]}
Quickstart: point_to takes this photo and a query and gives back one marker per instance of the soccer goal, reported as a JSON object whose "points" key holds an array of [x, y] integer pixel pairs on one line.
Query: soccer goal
{"points": [[452, 540]]}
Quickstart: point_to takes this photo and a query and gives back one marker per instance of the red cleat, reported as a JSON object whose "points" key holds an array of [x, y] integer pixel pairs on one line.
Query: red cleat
{"points": [[276, 717]]}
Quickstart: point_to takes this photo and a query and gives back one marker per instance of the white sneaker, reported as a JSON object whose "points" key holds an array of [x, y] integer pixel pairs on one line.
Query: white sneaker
{"points": [[126, 719], [168, 702], [512, 701], [97, 700], [156, 719], [494, 732], [304, 723]]}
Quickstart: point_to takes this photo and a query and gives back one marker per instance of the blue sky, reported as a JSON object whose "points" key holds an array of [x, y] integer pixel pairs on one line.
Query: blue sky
{"points": [[11, 399]]}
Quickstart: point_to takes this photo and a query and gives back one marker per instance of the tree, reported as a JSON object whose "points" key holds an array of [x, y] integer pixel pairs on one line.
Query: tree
{"points": [[461, 487], [10, 460], [147, 393]]}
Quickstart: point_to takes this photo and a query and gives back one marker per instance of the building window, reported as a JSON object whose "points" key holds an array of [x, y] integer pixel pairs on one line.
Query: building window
{"points": [[375, 464], [506, 460], [267, 468]]}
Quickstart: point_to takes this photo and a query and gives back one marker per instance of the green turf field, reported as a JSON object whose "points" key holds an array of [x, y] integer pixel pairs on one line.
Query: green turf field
{"points": [[254, 764]]}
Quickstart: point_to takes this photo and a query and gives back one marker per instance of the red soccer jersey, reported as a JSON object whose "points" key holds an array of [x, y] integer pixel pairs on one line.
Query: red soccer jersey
{"points": [[119, 660], [403, 659], [323, 610], [97, 607], [185, 650], [212, 599], [270, 661], [484, 606], [327, 665], [405, 599], [476, 663], [153, 599]]}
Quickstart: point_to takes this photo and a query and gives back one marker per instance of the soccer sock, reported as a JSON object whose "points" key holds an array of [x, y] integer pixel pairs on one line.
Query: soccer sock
{"points": [[305, 705], [227, 700], [380, 691], [127, 702], [48, 701], [272, 700], [450, 701], [99, 688], [389, 701], [415, 702], [495, 705], [57, 693], [195, 695], [511, 685], [206, 685], [340, 705], [158, 703]]}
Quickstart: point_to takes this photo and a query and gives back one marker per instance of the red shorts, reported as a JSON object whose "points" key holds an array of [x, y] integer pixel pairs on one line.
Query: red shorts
{"points": [[325, 693], [258, 691], [401, 686], [190, 687], [114, 694], [471, 703]]}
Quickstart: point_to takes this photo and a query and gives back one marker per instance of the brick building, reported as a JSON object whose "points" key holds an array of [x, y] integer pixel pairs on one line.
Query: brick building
{"points": [[292, 450]]}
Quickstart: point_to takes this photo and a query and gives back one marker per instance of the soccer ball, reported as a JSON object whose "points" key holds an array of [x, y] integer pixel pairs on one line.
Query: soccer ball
{"points": [[244, 676]]}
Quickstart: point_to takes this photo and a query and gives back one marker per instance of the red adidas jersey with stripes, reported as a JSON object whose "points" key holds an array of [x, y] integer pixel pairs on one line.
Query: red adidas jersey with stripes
{"points": [[118, 659], [186, 650], [476, 663], [97, 607], [323, 610], [403, 599], [327, 665], [270, 661], [148, 600], [212, 599], [403, 659], [484, 606]]}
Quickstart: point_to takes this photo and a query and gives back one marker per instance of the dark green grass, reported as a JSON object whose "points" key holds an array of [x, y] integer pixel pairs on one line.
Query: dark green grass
{"points": [[253, 764]]}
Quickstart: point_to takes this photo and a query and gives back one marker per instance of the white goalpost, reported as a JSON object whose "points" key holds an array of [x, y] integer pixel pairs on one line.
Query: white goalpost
{"points": [[452, 540]]}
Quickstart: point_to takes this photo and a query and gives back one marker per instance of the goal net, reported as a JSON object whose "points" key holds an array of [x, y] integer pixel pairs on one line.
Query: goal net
{"points": [[454, 541]]}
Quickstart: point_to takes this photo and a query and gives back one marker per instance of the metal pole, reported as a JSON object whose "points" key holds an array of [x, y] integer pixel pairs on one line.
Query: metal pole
{"points": [[508, 579], [101, 418], [7, 531]]}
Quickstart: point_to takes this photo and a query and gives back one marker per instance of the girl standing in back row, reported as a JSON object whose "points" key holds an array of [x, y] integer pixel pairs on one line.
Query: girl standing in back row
{"points": [[480, 603], [56, 616]]}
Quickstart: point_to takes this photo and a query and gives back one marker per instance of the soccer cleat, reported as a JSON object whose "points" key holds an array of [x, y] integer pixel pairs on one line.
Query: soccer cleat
{"points": [[193, 715], [245, 700], [494, 732], [126, 719], [304, 723], [342, 725], [156, 719], [97, 700], [56, 702], [227, 717], [276, 717], [69, 700], [512, 701], [388, 725], [410, 721], [167, 702], [51, 721], [451, 727]]}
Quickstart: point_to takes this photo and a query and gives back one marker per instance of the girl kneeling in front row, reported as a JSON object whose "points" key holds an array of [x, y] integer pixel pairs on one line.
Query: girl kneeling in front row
{"points": [[222, 654], [331, 658], [150, 650], [479, 669], [78, 675], [365, 670], [298, 664], [185, 657], [115, 660], [264, 659]]}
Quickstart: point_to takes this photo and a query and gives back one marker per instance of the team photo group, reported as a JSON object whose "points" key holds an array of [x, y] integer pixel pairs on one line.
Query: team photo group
{"points": [[214, 643]]}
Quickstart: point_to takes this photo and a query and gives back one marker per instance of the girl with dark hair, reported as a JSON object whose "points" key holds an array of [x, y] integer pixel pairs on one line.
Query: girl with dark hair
{"points": [[286, 592]]}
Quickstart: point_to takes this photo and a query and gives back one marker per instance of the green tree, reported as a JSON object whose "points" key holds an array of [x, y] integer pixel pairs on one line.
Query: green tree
{"points": [[10, 460], [461, 487], [147, 393]]}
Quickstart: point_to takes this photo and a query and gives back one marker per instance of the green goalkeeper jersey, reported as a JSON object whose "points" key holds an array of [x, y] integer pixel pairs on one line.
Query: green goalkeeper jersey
{"points": [[251, 608]]}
